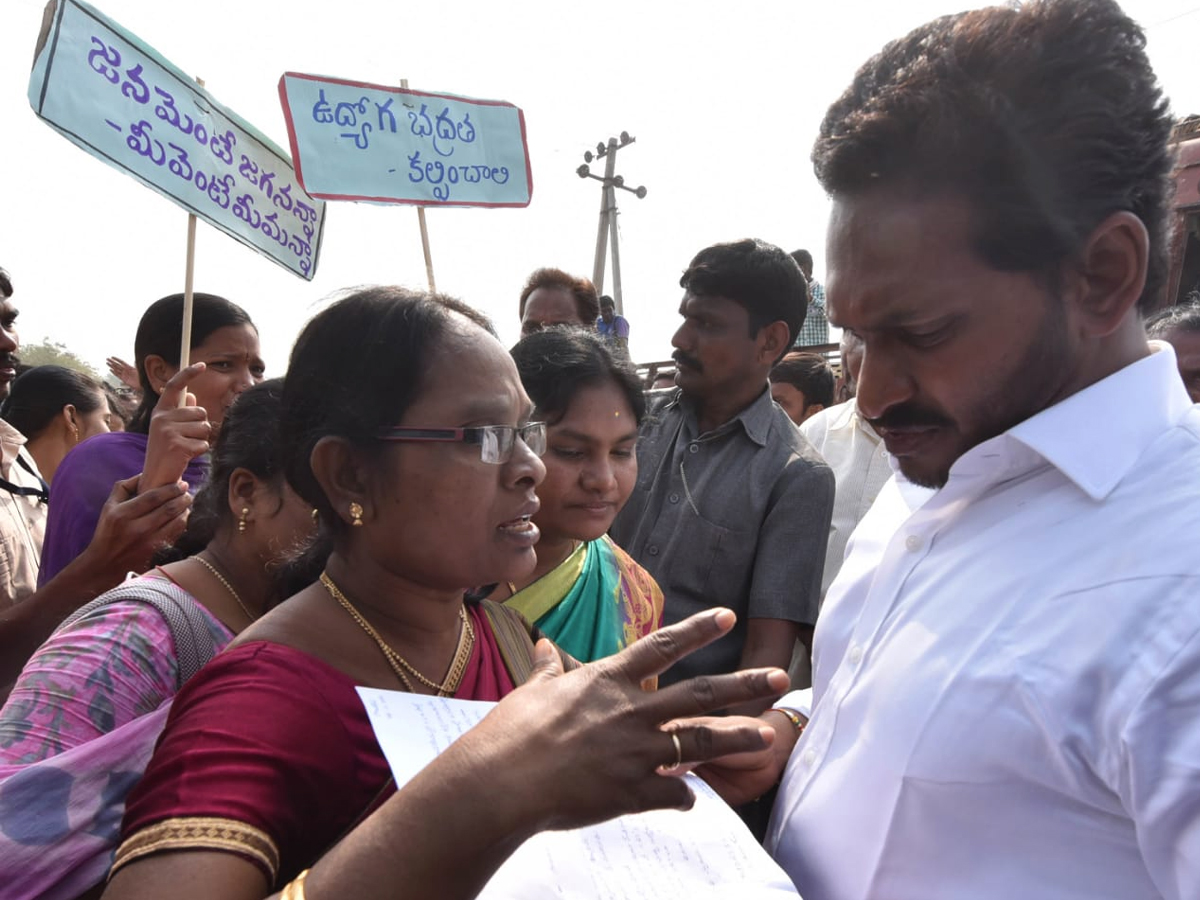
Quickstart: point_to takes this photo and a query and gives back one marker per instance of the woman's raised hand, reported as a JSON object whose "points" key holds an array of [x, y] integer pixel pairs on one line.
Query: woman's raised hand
{"points": [[123, 372], [179, 432]]}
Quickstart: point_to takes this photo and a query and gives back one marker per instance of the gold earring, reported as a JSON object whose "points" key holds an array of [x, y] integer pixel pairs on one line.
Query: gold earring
{"points": [[242, 519], [316, 516], [356, 512]]}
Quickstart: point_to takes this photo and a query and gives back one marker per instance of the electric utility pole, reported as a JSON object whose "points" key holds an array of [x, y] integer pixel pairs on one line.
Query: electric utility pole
{"points": [[608, 211]]}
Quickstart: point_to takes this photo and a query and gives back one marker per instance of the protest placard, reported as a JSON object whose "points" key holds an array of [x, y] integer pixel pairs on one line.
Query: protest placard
{"points": [[117, 98], [357, 141]]}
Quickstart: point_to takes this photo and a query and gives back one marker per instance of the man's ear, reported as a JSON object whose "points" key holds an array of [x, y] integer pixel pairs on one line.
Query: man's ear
{"points": [[1109, 275], [812, 409], [772, 341], [343, 477]]}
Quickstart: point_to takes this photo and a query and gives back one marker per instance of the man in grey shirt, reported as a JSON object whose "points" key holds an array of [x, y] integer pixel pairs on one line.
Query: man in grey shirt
{"points": [[732, 504]]}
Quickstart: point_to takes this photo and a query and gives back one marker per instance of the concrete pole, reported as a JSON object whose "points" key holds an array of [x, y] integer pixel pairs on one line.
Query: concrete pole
{"points": [[607, 202], [618, 306]]}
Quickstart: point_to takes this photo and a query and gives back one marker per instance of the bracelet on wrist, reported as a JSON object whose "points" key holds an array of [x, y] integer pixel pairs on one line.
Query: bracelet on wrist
{"points": [[794, 717]]}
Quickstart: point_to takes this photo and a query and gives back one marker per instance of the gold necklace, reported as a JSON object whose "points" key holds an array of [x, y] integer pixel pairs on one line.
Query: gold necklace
{"points": [[399, 665], [229, 587]]}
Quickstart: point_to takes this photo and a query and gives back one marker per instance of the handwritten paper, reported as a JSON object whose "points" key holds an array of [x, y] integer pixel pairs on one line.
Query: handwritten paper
{"points": [[114, 96], [357, 141], [705, 853]]}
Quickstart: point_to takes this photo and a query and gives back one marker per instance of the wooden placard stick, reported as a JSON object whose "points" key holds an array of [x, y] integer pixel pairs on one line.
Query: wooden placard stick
{"points": [[185, 348], [424, 231]]}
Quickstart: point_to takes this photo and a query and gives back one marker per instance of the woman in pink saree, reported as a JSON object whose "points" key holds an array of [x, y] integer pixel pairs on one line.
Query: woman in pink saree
{"points": [[83, 717]]}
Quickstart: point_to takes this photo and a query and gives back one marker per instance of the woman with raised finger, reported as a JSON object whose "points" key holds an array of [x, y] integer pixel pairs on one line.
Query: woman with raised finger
{"points": [[226, 341], [409, 431], [585, 593]]}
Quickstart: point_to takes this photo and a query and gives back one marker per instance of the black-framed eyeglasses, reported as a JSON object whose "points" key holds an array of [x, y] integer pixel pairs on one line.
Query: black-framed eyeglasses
{"points": [[495, 442]]}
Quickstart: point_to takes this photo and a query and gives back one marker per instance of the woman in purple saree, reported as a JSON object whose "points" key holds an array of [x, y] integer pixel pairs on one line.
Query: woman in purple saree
{"points": [[224, 338]]}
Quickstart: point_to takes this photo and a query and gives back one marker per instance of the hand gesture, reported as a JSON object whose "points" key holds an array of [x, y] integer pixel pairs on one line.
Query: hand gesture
{"points": [[123, 372], [179, 431], [591, 744], [134, 525]]}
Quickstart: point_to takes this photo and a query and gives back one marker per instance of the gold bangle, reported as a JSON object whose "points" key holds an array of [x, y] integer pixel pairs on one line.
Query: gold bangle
{"points": [[294, 890], [792, 716]]}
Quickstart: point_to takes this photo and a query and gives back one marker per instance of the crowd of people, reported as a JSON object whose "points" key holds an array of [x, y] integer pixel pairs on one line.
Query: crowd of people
{"points": [[928, 621]]}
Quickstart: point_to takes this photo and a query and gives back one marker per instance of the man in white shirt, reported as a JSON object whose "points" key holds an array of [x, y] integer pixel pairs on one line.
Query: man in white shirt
{"points": [[1006, 696], [857, 456]]}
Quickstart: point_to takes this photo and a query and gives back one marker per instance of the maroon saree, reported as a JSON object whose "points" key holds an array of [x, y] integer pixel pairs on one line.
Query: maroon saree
{"points": [[268, 752]]}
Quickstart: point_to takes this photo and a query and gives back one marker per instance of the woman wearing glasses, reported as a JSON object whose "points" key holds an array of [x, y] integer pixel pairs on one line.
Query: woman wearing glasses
{"points": [[410, 433], [585, 593]]}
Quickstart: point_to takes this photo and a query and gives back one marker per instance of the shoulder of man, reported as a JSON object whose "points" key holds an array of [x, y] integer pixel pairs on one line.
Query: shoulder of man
{"points": [[658, 403], [784, 432], [817, 426]]}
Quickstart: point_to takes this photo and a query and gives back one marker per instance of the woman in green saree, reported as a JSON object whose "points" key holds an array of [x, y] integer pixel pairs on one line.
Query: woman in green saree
{"points": [[586, 593]]}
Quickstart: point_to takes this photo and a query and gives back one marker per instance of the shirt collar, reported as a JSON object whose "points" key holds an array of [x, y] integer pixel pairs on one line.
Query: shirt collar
{"points": [[11, 442], [1122, 414], [755, 419], [861, 422]]}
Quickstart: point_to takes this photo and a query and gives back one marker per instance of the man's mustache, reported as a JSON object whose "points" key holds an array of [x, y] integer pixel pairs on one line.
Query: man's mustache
{"points": [[908, 415], [691, 362]]}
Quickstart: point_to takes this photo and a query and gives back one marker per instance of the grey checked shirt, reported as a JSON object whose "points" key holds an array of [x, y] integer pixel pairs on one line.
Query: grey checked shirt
{"points": [[737, 517]]}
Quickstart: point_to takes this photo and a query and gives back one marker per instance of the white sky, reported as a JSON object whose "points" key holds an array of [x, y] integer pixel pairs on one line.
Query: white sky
{"points": [[724, 100]]}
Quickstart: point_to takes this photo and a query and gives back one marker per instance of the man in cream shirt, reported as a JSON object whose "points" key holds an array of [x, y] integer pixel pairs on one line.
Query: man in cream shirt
{"points": [[23, 494], [1005, 698], [855, 453]]}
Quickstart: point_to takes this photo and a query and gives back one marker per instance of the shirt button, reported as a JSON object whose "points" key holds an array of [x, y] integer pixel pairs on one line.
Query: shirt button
{"points": [[913, 543], [674, 498], [694, 448], [855, 655], [652, 550], [809, 757]]}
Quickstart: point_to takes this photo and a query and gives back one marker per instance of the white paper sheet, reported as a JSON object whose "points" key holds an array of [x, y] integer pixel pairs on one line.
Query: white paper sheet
{"points": [[705, 853]]}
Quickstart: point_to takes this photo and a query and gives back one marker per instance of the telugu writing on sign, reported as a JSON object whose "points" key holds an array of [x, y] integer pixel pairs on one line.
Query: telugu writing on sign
{"points": [[117, 98], [355, 141]]}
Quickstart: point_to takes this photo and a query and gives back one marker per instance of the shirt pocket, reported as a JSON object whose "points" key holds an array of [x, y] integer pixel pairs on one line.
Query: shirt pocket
{"points": [[712, 563]]}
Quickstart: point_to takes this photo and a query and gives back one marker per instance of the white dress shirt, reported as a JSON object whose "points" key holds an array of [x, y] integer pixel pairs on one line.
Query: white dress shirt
{"points": [[860, 466], [1007, 677]]}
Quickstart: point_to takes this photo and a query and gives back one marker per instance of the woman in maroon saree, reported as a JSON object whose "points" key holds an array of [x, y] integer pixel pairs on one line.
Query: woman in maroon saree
{"points": [[409, 432], [279, 756]]}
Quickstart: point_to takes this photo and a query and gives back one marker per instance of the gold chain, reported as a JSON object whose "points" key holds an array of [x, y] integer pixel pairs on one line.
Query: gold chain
{"points": [[399, 665], [229, 587]]}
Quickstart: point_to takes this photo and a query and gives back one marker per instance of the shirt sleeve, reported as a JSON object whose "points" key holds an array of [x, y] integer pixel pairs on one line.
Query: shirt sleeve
{"points": [[1159, 775], [621, 327], [111, 666], [790, 557], [800, 701]]}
